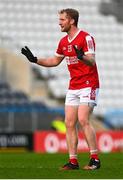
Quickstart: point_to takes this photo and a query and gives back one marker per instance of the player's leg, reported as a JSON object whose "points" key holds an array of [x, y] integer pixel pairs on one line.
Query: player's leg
{"points": [[71, 131], [84, 112], [71, 113], [71, 136], [88, 99]]}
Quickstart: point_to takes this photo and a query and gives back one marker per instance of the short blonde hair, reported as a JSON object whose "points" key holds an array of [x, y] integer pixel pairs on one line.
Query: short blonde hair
{"points": [[72, 13]]}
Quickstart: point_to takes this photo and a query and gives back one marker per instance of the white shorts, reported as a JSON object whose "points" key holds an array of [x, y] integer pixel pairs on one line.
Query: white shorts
{"points": [[82, 96]]}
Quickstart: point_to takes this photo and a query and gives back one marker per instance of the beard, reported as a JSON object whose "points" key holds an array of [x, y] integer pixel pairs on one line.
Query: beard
{"points": [[66, 29]]}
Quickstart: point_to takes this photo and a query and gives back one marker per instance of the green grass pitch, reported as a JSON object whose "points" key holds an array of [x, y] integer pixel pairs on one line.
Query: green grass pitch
{"points": [[46, 166]]}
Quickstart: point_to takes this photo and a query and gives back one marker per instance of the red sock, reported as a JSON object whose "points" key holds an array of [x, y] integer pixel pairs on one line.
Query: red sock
{"points": [[95, 156], [73, 161]]}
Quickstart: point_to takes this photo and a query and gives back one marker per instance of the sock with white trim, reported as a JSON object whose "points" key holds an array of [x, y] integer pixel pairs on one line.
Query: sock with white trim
{"points": [[73, 159]]}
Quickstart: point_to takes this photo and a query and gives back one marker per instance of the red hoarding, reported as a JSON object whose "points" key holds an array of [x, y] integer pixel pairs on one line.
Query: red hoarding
{"points": [[53, 142]]}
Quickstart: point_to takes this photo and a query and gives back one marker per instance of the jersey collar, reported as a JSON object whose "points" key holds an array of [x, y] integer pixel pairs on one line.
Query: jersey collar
{"points": [[70, 40]]}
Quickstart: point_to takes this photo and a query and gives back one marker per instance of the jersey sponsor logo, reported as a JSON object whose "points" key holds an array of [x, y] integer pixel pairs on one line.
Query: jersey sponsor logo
{"points": [[71, 60]]}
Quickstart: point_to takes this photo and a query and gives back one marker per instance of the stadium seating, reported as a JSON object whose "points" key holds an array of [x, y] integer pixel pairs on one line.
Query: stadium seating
{"points": [[114, 119], [35, 23], [114, 8], [19, 114]]}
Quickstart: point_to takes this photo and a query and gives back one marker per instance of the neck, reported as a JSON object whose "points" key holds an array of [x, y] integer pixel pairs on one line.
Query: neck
{"points": [[72, 32]]}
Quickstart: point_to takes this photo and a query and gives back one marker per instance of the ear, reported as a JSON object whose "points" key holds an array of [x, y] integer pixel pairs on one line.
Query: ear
{"points": [[72, 21]]}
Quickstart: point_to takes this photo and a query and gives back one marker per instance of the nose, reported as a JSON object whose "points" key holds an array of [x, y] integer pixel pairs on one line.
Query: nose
{"points": [[60, 23]]}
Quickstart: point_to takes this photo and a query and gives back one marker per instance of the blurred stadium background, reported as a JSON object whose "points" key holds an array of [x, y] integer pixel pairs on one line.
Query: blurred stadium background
{"points": [[31, 97]]}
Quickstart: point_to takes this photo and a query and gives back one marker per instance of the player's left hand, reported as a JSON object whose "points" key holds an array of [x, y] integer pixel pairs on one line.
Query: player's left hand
{"points": [[79, 52]]}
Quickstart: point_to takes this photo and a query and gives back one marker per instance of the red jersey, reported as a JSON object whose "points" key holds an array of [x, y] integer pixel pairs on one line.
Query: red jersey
{"points": [[81, 74]]}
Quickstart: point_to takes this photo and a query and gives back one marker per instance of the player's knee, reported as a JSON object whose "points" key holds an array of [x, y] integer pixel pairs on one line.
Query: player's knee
{"points": [[69, 124], [84, 122]]}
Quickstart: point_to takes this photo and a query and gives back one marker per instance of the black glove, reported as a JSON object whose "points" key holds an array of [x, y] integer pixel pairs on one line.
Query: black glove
{"points": [[26, 51], [79, 52]]}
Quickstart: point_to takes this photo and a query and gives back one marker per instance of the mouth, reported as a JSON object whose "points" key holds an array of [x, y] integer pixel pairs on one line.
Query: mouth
{"points": [[61, 26]]}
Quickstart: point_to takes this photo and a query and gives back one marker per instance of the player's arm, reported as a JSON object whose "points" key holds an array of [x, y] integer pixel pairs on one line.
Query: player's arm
{"points": [[88, 59], [47, 62]]}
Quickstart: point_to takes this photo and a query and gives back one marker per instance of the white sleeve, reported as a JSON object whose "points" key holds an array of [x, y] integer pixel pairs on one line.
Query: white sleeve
{"points": [[90, 45]]}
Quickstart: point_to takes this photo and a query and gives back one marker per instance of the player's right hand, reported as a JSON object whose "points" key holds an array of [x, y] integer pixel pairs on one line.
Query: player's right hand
{"points": [[79, 52], [26, 51]]}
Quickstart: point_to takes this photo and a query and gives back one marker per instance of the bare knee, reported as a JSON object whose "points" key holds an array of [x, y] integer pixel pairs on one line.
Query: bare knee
{"points": [[69, 124], [84, 122]]}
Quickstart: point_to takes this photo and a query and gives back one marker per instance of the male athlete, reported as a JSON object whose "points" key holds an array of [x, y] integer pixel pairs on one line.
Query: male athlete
{"points": [[78, 48]]}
